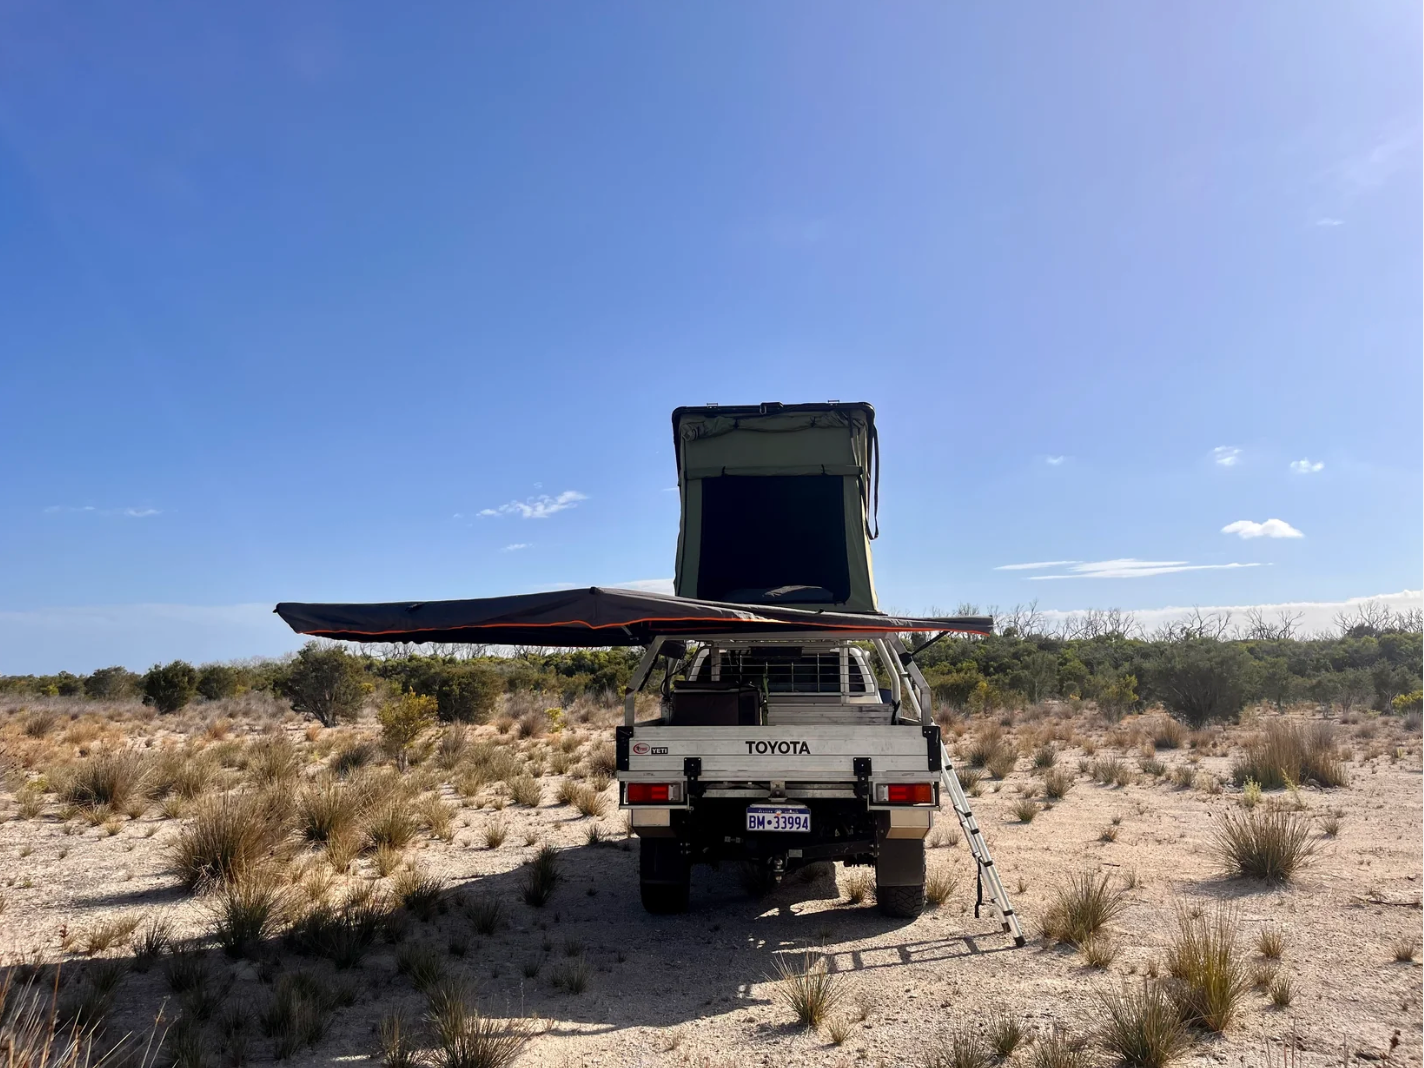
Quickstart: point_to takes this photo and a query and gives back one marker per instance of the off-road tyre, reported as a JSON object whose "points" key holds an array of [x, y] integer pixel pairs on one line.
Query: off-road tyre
{"points": [[665, 899], [901, 902]]}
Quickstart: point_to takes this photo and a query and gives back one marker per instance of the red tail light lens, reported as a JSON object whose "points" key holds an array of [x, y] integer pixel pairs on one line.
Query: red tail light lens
{"points": [[909, 793], [649, 793]]}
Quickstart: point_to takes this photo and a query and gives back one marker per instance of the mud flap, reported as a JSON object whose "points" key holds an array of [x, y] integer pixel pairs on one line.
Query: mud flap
{"points": [[662, 860], [901, 862]]}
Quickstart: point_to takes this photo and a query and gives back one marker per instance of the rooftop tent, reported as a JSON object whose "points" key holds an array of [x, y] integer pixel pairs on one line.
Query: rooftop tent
{"points": [[777, 504]]}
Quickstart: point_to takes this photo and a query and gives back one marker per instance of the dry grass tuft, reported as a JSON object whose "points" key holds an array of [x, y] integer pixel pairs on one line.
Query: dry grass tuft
{"points": [[1006, 1033], [525, 790], [1057, 783], [300, 1012], [228, 836], [939, 885], [810, 990], [1026, 810], [1082, 907], [342, 934], [1405, 950], [1206, 961], [495, 832], [1258, 844], [1143, 1028], [1270, 943], [960, 1049], [1060, 1051], [248, 910], [421, 894], [1099, 951], [860, 886], [1281, 991], [590, 802], [1290, 754], [107, 780], [542, 877], [467, 1039]]}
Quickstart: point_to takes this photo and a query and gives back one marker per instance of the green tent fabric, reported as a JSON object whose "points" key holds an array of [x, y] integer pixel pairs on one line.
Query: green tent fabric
{"points": [[778, 504]]}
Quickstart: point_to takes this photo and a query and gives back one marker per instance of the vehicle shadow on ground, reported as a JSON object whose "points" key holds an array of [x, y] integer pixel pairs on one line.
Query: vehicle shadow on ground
{"points": [[638, 970]]}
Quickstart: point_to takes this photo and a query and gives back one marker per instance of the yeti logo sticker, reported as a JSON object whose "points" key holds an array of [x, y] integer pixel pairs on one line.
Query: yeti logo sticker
{"points": [[640, 748], [778, 748]]}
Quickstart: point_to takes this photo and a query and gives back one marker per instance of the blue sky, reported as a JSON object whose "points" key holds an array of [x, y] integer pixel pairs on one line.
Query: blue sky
{"points": [[285, 289]]}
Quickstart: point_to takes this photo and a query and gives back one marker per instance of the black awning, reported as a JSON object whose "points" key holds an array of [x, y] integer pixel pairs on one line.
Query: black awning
{"points": [[590, 617]]}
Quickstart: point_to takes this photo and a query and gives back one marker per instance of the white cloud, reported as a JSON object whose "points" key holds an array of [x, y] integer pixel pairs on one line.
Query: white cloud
{"points": [[1130, 567], [1328, 221], [653, 585], [540, 507], [130, 513], [1226, 455], [516, 547], [1371, 169], [1305, 467], [1314, 616], [1034, 567], [1054, 461], [1271, 528]]}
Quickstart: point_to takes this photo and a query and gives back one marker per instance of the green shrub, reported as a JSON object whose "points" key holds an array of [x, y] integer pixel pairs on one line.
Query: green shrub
{"points": [[216, 681], [170, 687], [403, 720], [1201, 681], [325, 683], [466, 693], [112, 683]]}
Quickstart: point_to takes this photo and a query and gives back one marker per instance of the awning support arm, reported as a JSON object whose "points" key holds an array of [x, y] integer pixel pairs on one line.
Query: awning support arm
{"points": [[640, 678]]}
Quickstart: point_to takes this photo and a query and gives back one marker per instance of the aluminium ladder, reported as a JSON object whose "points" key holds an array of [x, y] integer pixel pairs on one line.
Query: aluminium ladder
{"points": [[987, 873]]}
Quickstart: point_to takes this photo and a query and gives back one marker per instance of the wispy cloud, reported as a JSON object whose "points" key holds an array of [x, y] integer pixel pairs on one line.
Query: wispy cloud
{"points": [[1035, 566], [1130, 567], [540, 507], [1271, 528], [1226, 455], [653, 585], [1367, 171], [129, 513], [514, 548], [1305, 467], [1327, 220], [1055, 461]]}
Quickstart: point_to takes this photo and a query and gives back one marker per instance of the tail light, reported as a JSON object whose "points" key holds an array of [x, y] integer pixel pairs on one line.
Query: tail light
{"points": [[905, 793], [654, 793]]}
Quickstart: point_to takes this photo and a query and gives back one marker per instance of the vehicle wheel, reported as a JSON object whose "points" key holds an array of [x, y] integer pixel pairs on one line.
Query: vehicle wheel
{"points": [[664, 899], [665, 875], [901, 902]]}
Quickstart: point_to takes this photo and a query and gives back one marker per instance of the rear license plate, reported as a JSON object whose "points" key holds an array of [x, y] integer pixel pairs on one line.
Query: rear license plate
{"points": [[779, 818]]}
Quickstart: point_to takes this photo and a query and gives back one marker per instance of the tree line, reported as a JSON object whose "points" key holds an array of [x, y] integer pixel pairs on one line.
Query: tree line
{"points": [[1201, 670]]}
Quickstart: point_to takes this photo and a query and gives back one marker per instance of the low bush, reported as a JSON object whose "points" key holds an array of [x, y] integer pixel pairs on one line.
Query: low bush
{"points": [[300, 1012], [171, 686], [325, 683]]}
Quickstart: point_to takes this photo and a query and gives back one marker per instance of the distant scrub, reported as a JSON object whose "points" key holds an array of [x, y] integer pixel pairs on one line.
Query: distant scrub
{"points": [[1195, 671]]}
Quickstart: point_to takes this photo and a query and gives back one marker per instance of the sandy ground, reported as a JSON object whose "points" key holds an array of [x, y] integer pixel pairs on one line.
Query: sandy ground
{"points": [[698, 989]]}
